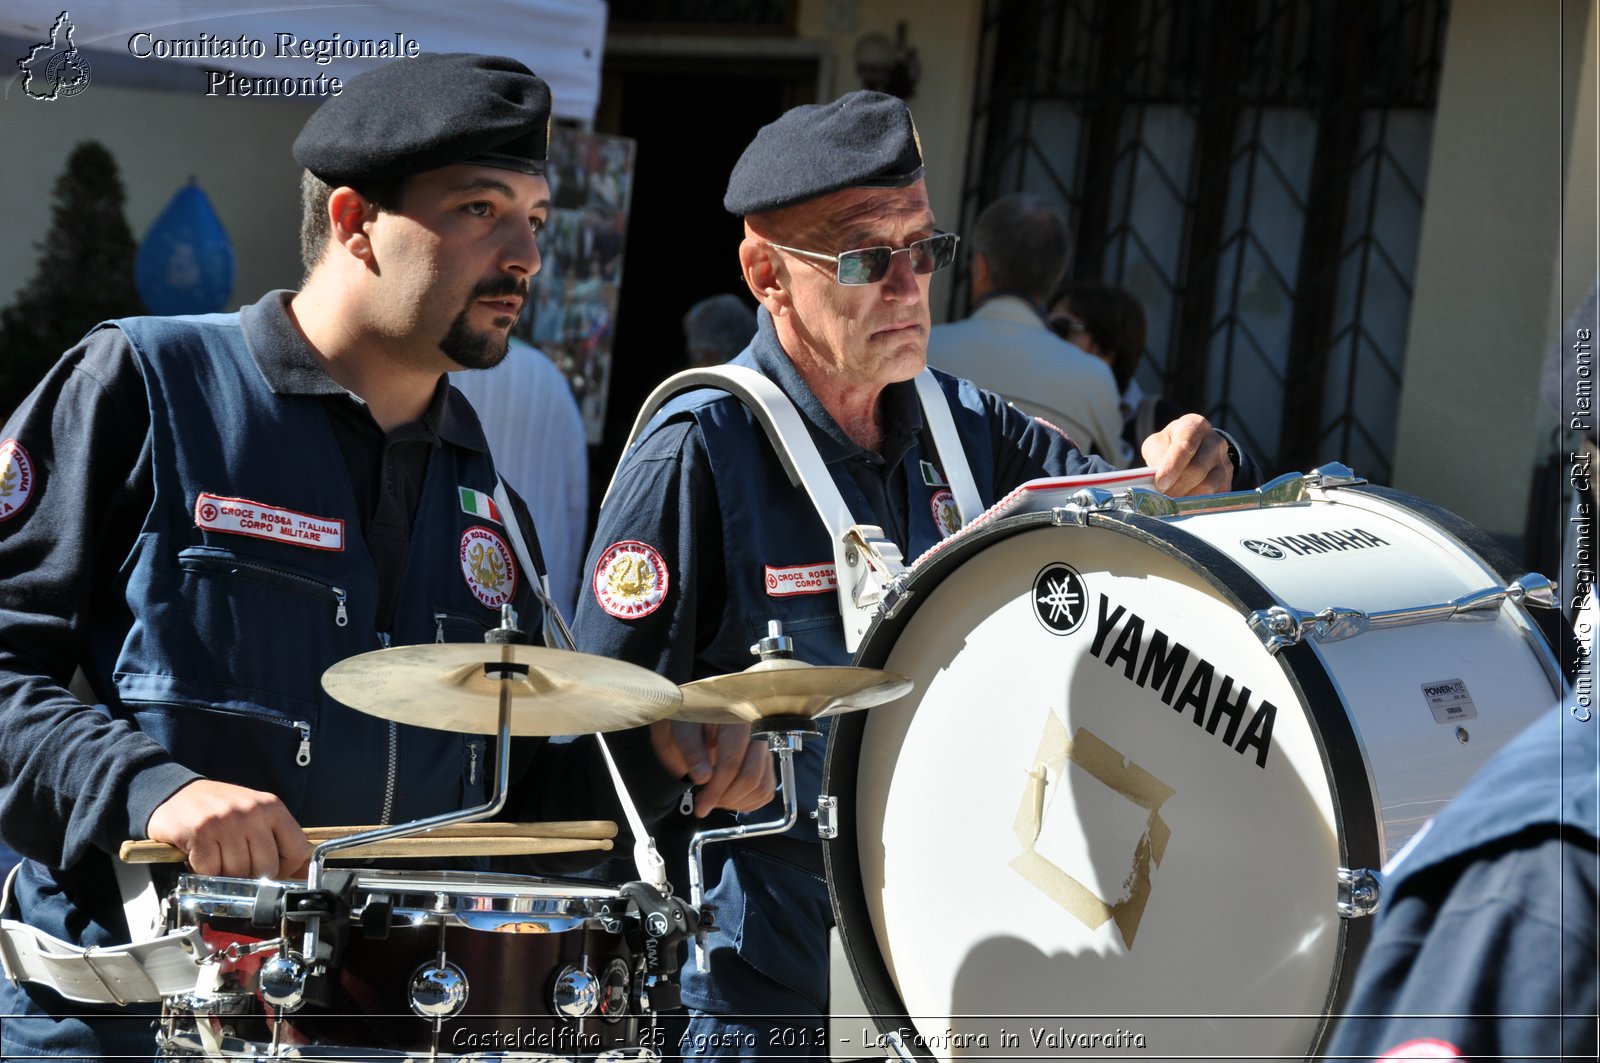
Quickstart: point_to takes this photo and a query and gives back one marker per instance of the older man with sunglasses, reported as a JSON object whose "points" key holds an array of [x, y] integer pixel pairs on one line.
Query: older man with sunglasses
{"points": [[703, 539]]}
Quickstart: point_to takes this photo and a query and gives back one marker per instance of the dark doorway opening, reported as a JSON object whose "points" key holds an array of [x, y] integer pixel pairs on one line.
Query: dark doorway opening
{"points": [[691, 116]]}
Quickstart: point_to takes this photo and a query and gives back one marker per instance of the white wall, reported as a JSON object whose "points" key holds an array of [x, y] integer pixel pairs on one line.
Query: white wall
{"points": [[1489, 260], [237, 149]]}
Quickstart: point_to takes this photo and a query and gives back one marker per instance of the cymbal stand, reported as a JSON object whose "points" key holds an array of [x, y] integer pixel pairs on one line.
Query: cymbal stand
{"points": [[283, 978], [785, 737], [784, 744]]}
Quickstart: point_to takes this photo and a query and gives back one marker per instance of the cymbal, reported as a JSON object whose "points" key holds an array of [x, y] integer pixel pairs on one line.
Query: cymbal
{"points": [[786, 687], [443, 685]]}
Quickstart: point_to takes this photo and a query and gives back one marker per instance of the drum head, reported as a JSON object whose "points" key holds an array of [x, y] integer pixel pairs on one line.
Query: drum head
{"points": [[1108, 821]]}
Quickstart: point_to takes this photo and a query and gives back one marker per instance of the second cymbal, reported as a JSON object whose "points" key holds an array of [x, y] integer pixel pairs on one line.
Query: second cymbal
{"points": [[448, 686], [786, 687]]}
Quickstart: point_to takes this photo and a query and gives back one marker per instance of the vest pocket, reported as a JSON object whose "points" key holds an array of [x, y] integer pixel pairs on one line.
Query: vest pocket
{"points": [[224, 737], [451, 626], [211, 561]]}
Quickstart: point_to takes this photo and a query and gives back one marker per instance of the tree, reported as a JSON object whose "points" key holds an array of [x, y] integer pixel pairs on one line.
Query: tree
{"points": [[85, 274]]}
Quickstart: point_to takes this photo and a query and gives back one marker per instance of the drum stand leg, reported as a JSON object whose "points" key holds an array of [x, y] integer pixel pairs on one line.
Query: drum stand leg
{"points": [[784, 744]]}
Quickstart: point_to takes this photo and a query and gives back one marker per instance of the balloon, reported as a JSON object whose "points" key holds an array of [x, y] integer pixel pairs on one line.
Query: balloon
{"points": [[185, 263]]}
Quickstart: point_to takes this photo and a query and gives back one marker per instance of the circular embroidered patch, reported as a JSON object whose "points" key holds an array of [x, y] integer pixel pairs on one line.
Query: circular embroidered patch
{"points": [[946, 517], [16, 478], [630, 580], [486, 563], [1422, 1048]]}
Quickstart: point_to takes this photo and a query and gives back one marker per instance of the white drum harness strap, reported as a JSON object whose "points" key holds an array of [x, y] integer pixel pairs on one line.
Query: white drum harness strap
{"points": [[141, 972], [866, 562]]}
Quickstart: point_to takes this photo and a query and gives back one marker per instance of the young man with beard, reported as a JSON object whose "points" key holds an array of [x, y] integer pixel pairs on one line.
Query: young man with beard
{"points": [[203, 514]]}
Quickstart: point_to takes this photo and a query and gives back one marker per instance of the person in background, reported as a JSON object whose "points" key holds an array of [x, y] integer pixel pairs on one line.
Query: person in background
{"points": [[1020, 252], [536, 434], [716, 328], [1109, 324], [704, 539]]}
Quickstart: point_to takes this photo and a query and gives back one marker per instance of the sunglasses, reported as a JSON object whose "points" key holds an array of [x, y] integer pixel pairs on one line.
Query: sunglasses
{"points": [[869, 265]]}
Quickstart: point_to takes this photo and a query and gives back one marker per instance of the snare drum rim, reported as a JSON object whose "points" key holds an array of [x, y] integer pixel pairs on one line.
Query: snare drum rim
{"points": [[1356, 815], [466, 898]]}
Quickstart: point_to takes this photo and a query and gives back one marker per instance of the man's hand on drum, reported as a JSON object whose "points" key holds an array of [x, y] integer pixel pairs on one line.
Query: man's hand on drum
{"points": [[1189, 457], [728, 769], [230, 830]]}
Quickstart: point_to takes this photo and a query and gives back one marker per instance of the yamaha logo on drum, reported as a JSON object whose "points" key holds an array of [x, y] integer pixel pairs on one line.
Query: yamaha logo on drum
{"points": [[1267, 550], [1060, 600]]}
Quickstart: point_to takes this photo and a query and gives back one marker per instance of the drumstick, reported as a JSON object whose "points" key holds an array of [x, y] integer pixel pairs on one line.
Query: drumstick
{"points": [[135, 851], [575, 828], [148, 852]]}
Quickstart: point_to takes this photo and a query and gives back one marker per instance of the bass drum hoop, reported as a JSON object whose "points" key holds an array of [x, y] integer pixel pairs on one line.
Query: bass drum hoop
{"points": [[1356, 814]]}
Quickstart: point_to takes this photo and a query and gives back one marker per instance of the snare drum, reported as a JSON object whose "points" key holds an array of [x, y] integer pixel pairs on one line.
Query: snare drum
{"points": [[1134, 804], [539, 968]]}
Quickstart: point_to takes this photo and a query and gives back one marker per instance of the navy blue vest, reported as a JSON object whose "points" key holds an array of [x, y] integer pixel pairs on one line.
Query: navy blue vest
{"points": [[232, 631], [228, 633]]}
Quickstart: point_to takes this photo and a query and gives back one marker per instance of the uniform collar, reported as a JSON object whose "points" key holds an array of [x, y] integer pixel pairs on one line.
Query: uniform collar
{"points": [[901, 411], [289, 367]]}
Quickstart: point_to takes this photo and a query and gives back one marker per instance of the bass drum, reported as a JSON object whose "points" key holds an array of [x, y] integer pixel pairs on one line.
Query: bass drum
{"points": [[1131, 804]]}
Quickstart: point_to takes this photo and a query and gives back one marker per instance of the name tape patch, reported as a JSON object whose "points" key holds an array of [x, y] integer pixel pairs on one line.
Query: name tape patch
{"points": [[240, 516], [788, 581]]}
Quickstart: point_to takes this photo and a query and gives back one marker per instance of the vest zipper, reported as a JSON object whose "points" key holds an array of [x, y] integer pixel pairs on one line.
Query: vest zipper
{"points": [[393, 773], [281, 576], [441, 617], [302, 755]]}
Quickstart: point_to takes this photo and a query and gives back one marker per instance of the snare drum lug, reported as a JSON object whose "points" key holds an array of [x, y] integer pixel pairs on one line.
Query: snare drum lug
{"points": [[438, 990], [1333, 624], [1333, 474], [283, 981], [575, 993], [1068, 517], [827, 816], [1082, 503], [1532, 590], [895, 596], [1276, 627], [1359, 890]]}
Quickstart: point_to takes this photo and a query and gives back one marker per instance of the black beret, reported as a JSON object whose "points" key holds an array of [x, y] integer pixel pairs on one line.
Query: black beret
{"points": [[863, 139], [411, 115]]}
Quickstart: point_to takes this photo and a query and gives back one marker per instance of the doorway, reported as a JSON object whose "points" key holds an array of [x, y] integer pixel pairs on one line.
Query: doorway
{"points": [[691, 116]]}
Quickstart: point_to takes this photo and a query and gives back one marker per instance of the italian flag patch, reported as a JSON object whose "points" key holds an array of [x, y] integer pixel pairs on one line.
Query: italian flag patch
{"points": [[479, 505]]}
